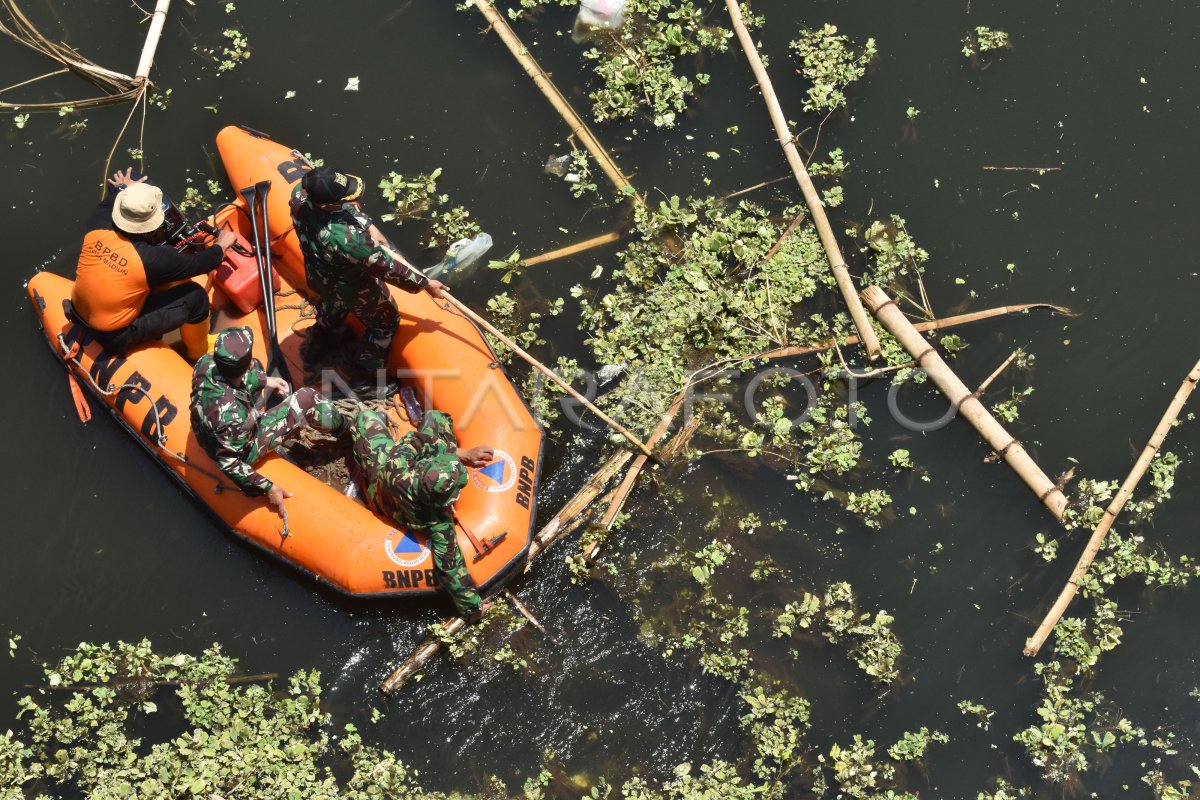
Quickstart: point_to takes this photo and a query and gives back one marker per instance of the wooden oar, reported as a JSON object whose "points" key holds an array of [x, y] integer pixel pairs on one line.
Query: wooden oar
{"points": [[549, 373]]}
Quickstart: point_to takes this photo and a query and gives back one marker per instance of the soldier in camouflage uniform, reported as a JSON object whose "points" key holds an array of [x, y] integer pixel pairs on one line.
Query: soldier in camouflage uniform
{"points": [[347, 268], [415, 482], [227, 390]]}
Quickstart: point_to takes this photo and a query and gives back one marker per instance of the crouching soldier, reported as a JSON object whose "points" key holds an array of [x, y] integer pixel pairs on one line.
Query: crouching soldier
{"points": [[415, 482], [227, 391]]}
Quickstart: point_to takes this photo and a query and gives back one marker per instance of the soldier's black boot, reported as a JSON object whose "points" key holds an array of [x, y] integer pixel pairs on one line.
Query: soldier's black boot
{"points": [[366, 384], [320, 341]]}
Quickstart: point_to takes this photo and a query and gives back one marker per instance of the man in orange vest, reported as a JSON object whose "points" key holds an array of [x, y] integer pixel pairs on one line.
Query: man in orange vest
{"points": [[130, 289]]}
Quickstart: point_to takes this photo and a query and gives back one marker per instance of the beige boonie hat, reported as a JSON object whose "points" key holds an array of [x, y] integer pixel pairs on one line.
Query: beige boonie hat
{"points": [[138, 208]]}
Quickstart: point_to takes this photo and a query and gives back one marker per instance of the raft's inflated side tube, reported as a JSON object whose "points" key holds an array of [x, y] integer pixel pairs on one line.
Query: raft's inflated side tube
{"points": [[332, 537]]}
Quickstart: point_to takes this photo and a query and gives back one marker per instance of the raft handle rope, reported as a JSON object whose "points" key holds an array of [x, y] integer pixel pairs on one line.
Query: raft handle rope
{"points": [[71, 356]]}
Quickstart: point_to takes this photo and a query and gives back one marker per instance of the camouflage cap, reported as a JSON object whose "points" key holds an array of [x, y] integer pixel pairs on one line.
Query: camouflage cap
{"points": [[327, 185], [233, 349], [442, 477]]}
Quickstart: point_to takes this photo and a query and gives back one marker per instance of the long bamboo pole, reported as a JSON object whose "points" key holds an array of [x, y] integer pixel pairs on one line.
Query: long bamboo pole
{"points": [[560, 524], [578, 127], [157, 20], [962, 398], [832, 251], [927, 325], [626, 486], [1056, 611], [533, 362], [574, 249]]}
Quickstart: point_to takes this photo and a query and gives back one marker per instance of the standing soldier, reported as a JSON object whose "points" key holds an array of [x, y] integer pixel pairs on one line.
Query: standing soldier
{"points": [[347, 268], [226, 387], [415, 482]]}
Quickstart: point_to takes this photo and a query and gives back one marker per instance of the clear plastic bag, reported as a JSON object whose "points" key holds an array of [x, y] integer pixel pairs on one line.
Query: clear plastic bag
{"points": [[609, 14], [461, 255], [557, 165], [596, 15]]}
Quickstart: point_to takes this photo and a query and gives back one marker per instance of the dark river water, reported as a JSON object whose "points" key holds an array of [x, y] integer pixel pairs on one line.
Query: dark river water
{"points": [[100, 546]]}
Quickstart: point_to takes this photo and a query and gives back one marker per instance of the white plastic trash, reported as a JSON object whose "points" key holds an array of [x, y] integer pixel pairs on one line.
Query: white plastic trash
{"points": [[607, 14], [461, 254]]}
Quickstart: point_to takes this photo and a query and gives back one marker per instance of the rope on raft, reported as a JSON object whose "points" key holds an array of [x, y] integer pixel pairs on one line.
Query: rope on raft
{"points": [[71, 356]]}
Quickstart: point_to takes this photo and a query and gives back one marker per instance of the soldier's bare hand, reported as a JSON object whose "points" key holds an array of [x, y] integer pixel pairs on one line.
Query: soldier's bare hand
{"points": [[436, 288], [225, 239], [276, 384], [123, 179], [276, 496], [477, 456]]}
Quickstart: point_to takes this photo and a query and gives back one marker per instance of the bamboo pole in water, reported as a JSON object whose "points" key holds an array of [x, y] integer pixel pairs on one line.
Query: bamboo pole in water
{"points": [[832, 251], [579, 247], [996, 373], [1055, 613], [157, 20], [928, 325], [578, 127], [626, 486], [962, 398]]}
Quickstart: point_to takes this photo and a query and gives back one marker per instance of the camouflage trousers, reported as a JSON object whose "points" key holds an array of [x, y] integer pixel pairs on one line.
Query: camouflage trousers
{"points": [[451, 569], [305, 408], [368, 299], [391, 484]]}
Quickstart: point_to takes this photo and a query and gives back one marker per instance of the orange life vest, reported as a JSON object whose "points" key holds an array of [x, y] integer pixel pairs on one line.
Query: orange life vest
{"points": [[110, 281]]}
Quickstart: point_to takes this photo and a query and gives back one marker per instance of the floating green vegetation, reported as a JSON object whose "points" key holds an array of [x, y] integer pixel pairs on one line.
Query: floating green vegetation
{"points": [[1046, 547], [643, 68], [417, 198], [702, 289], [1058, 745], [579, 173], [869, 639], [233, 51], [695, 290], [897, 257], [982, 714], [216, 735], [913, 744], [831, 62], [1076, 723], [855, 770], [196, 200], [1009, 410], [1003, 791], [983, 40]]}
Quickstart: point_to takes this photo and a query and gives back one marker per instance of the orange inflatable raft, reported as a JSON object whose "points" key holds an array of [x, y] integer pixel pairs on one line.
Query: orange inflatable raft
{"points": [[436, 351]]}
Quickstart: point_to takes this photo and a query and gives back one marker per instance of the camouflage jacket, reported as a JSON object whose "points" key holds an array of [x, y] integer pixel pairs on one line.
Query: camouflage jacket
{"points": [[392, 470], [339, 242], [225, 420]]}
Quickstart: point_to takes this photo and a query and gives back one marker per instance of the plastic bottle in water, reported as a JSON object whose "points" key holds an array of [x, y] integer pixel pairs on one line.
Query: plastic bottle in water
{"points": [[461, 254]]}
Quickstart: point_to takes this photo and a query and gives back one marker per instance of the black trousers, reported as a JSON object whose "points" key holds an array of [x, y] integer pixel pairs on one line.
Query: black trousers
{"points": [[164, 311]]}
